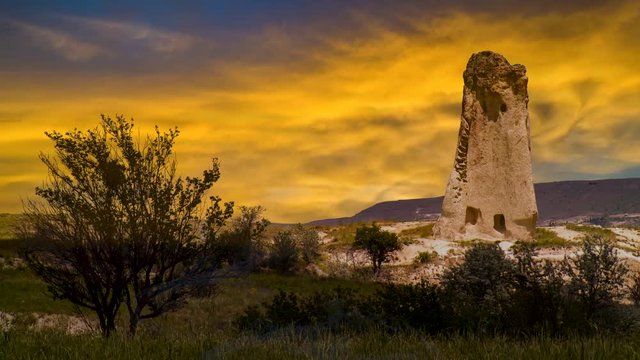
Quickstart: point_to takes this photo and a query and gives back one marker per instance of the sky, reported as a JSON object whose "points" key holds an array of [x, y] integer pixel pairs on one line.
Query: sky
{"points": [[317, 108]]}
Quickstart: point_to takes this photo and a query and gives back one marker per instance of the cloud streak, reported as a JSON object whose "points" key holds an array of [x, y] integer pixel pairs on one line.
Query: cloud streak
{"points": [[154, 39], [319, 118], [61, 42]]}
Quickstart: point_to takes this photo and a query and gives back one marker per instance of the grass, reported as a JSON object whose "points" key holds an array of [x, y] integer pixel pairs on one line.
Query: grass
{"points": [[22, 292], [295, 344], [424, 231], [8, 243], [343, 235], [592, 230], [545, 238], [6, 223]]}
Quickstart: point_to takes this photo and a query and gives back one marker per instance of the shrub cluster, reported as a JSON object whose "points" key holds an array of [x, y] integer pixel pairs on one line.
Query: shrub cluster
{"points": [[487, 293], [290, 248]]}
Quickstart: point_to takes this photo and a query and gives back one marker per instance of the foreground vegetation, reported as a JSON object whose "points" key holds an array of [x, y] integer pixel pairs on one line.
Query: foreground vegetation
{"points": [[293, 344], [211, 325]]}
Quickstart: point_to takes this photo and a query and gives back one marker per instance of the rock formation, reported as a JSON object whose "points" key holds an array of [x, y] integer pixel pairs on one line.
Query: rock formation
{"points": [[490, 191]]}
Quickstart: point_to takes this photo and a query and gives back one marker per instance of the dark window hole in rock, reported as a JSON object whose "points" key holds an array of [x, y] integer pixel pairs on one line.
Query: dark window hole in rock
{"points": [[499, 223], [472, 215]]}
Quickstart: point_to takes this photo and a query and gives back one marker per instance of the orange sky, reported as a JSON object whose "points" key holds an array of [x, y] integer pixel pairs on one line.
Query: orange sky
{"points": [[313, 119]]}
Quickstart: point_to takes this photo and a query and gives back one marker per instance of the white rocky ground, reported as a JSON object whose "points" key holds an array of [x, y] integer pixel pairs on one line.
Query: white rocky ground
{"points": [[70, 324], [451, 251]]}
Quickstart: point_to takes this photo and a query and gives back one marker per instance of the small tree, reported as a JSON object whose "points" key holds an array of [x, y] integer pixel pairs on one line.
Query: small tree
{"points": [[117, 224], [539, 299], [308, 241], [378, 244], [284, 252], [243, 244], [596, 275], [634, 289], [478, 290]]}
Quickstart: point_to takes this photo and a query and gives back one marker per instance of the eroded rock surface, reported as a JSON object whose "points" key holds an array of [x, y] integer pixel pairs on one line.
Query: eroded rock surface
{"points": [[490, 191]]}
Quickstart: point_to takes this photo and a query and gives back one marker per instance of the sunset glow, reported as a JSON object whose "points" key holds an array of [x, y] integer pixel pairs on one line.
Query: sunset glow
{"points": [[317, 109]]}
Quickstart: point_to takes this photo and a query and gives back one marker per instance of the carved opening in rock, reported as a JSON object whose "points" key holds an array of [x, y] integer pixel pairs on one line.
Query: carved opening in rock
{"points": [[503, 107], [472, 215], [499, 223]]}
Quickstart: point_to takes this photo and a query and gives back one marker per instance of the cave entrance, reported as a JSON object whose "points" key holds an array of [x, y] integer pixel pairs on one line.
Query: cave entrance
{"points": [[472, 215], [499, 223]]}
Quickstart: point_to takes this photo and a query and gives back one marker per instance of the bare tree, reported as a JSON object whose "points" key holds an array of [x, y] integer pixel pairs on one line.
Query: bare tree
{"points": [[117, 224]]}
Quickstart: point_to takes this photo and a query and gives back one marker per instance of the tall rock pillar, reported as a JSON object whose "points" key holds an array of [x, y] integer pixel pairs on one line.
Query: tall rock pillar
{"points": [[490, 191]]}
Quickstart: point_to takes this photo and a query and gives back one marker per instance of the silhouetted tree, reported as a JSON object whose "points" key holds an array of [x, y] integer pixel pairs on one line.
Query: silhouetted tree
{"points": [[117, 224], [378, 244], [285, 253], [478, 290], [597, 275], [243, 243], [308, 241]]}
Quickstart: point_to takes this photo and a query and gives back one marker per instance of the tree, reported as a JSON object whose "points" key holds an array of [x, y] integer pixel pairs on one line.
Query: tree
{"points": [[378, 244], [539, 299], [284, 252], [478, 290], [308, 241], [117, 224], [597, 275], [243, 244]]}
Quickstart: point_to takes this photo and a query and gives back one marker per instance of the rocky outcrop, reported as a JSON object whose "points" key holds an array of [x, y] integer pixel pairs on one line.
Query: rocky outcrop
{"points": [[490, 191]]}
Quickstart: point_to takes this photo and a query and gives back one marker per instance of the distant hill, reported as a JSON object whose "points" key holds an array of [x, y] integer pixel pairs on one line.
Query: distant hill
{"points": [[605, 202]]}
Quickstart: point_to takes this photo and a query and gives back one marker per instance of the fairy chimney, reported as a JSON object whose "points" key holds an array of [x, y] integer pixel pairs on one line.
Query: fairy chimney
{"points": [[490, 191]]}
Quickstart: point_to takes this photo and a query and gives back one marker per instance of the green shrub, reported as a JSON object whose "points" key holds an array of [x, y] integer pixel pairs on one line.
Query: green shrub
{"points": [[284, 254], [378, 244], [424, 231], [334, 309], [478, 290], [410, 306], [634, 289], [591, 230], [596, 274], [538, 302], [425, 257], [545, 238], [308, 242]]}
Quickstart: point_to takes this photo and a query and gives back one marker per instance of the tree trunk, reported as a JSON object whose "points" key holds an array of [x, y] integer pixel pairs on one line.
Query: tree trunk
{"points": [[133, 324], [108, 325]]}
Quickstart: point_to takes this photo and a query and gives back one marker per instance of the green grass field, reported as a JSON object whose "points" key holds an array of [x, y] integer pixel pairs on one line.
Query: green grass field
{"points": [[296, 344]]}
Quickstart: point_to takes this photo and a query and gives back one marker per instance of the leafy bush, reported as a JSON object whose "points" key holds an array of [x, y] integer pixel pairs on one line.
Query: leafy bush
{"points": [[333, 309], [596, 275], [424, 231], [478, 290], [538, 302], [591, 230], [634, 289], [410, 306], [308, 242], [486, 293], [284, 252], [378, 244], [244, 241], [546, 238], [425, 257]]}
